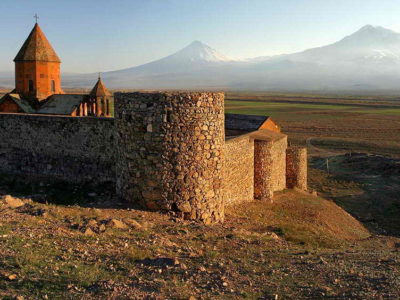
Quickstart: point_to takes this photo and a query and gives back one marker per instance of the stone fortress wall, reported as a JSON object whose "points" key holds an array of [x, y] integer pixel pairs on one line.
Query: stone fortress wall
{"points": [[76, 150], [255, 166], [164, 151], [239, 169]]}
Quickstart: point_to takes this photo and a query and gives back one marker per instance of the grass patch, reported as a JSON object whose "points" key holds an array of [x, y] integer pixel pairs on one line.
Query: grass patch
{"points": [[303, 219], [318, 110], [5, 229], [47, 269], [133, 253], [256, 107], [380, 111]]}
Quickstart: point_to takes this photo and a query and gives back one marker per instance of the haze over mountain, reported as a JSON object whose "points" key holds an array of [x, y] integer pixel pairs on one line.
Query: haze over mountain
{"points": [[368, 59]]}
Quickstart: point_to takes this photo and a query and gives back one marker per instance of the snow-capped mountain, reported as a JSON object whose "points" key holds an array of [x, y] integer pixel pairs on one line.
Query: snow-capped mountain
{"points": [[198, 52], [368, 43], [188, 67], [367, 59]]}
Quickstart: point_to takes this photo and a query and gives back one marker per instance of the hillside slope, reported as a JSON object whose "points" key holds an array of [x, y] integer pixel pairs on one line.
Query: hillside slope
{"points": [[297, 247], [301, 218]]}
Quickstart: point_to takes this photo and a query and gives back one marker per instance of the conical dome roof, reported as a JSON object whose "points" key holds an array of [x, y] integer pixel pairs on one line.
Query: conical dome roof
{"points": [[99, 89], [37, 48]]}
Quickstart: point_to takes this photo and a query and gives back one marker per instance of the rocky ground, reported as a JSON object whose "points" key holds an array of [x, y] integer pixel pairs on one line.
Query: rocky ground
{"points": [[299, 247]]}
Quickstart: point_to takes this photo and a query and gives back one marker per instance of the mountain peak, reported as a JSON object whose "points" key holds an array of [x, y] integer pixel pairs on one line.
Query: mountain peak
{"points": [[371, 36], [198, 51], [366, 59], [197, 43], [368, 30], [368, 27]]}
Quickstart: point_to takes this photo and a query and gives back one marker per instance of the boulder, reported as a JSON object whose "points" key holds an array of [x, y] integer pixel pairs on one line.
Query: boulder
{"points": [[117, 224], [88, 231], [13, 202], [133, 223]]}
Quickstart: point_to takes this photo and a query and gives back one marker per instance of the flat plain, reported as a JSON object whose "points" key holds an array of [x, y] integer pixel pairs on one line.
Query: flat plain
{"points": [[349, 122]]}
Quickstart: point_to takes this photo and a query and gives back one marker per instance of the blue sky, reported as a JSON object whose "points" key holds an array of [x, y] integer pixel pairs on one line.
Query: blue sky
{"points": [[103, 35]]}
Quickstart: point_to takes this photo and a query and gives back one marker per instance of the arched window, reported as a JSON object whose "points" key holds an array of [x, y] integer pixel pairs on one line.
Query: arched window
{"points": [[31, 85], [103, 107], [53, 86]]}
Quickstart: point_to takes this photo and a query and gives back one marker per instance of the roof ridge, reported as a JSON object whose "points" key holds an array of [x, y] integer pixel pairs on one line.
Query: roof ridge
{"points": [[99, 89], [37, 48]]}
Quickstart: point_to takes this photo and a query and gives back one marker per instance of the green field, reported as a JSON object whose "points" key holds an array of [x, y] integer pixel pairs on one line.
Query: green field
{"points": [[319, 109], [380, 111], [280, 108]]}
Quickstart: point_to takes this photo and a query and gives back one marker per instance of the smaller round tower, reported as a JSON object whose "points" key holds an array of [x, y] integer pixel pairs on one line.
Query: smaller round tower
{"points": [[296, 168]]}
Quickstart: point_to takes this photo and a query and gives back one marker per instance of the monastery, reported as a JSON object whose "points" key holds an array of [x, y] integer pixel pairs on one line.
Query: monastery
{"points": [[163, 151], [38, 84]]}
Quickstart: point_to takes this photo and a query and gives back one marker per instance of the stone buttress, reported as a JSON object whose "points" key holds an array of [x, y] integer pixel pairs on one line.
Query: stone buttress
{"points": [[269, 163], [296, 168]]}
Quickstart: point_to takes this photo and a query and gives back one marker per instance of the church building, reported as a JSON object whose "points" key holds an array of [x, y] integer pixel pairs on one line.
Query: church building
{"points": [[38, 84]]}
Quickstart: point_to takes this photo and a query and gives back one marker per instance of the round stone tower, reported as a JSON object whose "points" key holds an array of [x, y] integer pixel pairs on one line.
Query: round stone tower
{"points": [[170, 152], [296, 168]]}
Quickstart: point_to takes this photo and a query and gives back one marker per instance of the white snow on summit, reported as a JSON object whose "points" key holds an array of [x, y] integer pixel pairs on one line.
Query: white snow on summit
{"points": [[198, 51], [367, 59]]}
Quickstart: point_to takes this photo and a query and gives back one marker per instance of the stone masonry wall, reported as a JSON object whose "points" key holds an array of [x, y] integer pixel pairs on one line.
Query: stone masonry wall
{"points": [[296, 168], [66, 148], [239, 170], [170, 152], [269, 165], [263, 189], [164, 151], [279, 164]]}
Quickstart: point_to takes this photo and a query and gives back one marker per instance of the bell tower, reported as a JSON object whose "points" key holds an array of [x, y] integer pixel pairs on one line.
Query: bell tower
{"points": [[37, 68], [100, 100]]}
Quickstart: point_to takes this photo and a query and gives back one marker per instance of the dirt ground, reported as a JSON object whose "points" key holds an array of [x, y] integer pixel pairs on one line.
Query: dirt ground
{"points": [[77, 242], [299, 247]]}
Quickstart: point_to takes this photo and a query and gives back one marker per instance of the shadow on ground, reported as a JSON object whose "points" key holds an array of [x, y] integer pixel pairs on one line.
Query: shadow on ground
{"points": [[56, 192], [367, 186]]}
